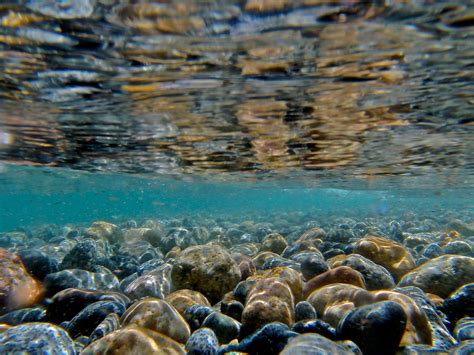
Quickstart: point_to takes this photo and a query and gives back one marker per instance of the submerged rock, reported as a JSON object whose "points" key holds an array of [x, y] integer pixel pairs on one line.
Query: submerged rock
{"points": [[202, 342], [108, 325], [314, 344], [225, 327], [25, 315], [36, 338]]}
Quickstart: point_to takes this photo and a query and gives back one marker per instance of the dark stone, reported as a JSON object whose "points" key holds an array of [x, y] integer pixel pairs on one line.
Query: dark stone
{"points": [[376, 328], [125, 265], [108, 325], [196, 314], [233, 309], [460, 304], [463, 348], [91, 316], [270, 339], [25, 315], [464, 329], [332, 252], [421, 349], [82, 256], [202, 342], [277, 262], [36, 338], [458, 247], [242, 289], [304, 311], [313, 265], [312, 343], [68, 303], [77, 278], [225, 327], [315, 326], [38, 263], [432, 251], [150, 265]]}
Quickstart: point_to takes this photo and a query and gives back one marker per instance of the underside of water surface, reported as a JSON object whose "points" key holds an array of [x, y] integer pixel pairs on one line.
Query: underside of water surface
{"points": [[253, 176]]}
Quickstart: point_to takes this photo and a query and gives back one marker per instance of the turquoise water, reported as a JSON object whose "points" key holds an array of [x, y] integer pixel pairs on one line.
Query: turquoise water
{"points": [[34, 196]]}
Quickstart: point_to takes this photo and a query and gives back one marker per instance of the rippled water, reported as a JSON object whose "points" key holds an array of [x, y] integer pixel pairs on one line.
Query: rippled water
{"points": [[327, 90]]}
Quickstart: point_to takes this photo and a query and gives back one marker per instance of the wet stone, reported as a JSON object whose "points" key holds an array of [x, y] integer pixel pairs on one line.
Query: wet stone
{"points": [[25, 315], [375, 328], [110, 323], [313, 265], [149, 266], [464, 329], [432, 251], [202, 342], [68, 303], [304, 310], [233, 309], [225, 327], [376, 277], [184, 298], [155, 283], [274, 242], [195, 315], [340, 274], [34, 338], [269, 339], [38, 264], [458, 247], [442, 275], [159, 316], [315, 326], [460, 303], [313, 344], [209, 270], [77, 278], [91, 316], [463, 348]]}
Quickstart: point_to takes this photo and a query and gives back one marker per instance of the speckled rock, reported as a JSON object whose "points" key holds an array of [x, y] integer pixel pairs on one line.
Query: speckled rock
{"points": [[202, 342], [77, 278], [270, 300], [195, 315], [332, 302], [25, 315], [155, 283], [376, 328], [459, 304], [104, 230], [110, 324], [315, 326], [85, 254], [91, 316], [182, 299], [314, 344], [391, 255], [209, 270], [376, 277], [274, 242], [17, 288], [340, 274], [37, 263], [159, 316], [270, 339], [36, 338], [134, 340], [442, 275], [304, 310], [225, 327]]}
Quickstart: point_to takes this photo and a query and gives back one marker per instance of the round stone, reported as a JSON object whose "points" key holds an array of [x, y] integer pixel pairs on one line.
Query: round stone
{"points": [[207, 269], [225, 327], [202, 342]]}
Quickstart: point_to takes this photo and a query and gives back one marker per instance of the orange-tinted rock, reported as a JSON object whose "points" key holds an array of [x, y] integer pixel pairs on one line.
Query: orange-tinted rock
{"points": [[17, 288], [288, 275], [274, 242], [340, 274], [4, 327], [182, 299], [391, 255], [266, 5], [158, 316], [333, 301], [134, 340], [417, 330], [270, 300]]}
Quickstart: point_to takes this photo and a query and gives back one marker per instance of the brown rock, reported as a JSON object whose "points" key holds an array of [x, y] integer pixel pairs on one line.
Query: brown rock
{"points": [[274, 242], [246, 265], [289, 276], [134, 340], [270, 300], [159, 316], [262, 257], [17, 288], [152, 236], [182, 299], [391, 255], [207, 269], [340, 274], [104, 230]]}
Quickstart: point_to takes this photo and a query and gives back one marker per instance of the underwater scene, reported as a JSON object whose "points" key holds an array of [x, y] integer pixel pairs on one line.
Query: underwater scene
{"points": [[236, 177]]}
